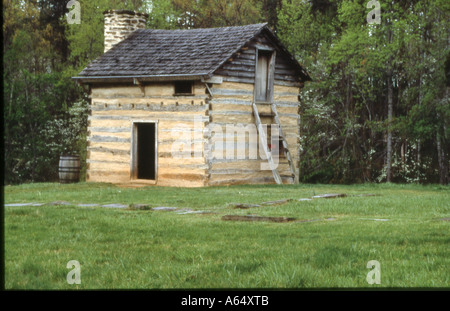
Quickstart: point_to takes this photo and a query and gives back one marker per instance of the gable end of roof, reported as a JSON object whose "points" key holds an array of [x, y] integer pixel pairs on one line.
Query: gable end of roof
{"points": [[154, 54]]}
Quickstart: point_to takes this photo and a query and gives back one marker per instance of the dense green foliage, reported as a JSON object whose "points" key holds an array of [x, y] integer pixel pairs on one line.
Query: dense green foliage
{"points": [[377, 108], [402, 227], [376, 87]]}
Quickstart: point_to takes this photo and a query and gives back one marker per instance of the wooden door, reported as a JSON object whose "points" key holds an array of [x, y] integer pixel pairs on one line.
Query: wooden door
{"points": [[264, 76]]}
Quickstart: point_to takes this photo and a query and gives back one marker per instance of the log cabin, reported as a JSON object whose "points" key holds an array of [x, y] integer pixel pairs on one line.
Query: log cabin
{"points": [[195, 107]]}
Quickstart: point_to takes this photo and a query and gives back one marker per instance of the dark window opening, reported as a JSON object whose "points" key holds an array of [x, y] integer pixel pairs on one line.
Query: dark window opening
{"points": [[184, 88], [146, 151]]}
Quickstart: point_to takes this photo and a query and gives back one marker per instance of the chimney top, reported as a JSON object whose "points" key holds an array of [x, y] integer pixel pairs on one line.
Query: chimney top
{"points": [[119, 24], [129, 12]]}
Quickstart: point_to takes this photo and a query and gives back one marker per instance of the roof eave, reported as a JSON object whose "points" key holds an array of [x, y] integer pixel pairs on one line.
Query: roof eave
{"points": [[140, 78]]}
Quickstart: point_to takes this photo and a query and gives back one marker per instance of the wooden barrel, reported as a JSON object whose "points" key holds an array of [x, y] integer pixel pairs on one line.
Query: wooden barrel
{"points": [[69, 169]]}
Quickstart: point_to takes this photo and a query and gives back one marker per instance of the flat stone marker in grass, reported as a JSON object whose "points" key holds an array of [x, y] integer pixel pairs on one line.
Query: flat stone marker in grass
{"points": [[375, 219], [60, 203], [249, 205], [183, 210], [163, 208], [245, 205], [330, 196], [140, 207], [23, 204], [277, 202], [308, 220], [257, 218], [115, 205]]}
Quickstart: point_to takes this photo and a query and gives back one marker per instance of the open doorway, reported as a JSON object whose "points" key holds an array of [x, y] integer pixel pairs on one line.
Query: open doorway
{"points": [[143, 156]]}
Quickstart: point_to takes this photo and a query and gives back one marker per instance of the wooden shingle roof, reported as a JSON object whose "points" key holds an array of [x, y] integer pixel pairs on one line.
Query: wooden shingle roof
{"points": [[175, 54], [155, 52]]}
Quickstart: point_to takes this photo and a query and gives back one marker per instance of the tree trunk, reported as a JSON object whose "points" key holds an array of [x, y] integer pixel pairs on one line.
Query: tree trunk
{"points": [[443, 170], [389, 131], [390, 109]]}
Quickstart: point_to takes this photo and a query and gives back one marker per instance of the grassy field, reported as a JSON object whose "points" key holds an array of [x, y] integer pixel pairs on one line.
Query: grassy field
{"points": [[401, 227]]}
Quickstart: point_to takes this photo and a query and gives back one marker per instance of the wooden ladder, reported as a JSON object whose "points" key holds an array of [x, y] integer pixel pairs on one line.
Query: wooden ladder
{"points": [[263, 141], [283, 139]]}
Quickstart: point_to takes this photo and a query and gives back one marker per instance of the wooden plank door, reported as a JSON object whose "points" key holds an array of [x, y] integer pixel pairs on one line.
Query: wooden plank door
{"points": [[264, 76]]}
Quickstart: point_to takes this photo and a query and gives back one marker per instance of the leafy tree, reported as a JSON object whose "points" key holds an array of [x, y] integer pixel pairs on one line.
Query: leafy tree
{"points": [[162, 14], [217, 13], [378, 95], [377, 109]]}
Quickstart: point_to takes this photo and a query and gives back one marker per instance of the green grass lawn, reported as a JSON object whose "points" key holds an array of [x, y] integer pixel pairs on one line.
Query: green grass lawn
{"points": [[401, 227]]}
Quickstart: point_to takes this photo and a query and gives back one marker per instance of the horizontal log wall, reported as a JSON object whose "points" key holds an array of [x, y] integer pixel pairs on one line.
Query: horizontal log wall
{"points": [[181, 126], [231, 106], [232, 103]]}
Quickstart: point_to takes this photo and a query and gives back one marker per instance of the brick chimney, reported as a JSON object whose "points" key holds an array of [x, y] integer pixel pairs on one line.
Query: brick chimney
{"points": [[119, 24]]}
